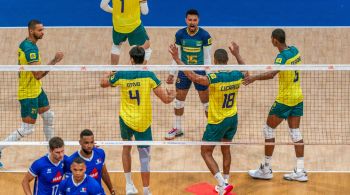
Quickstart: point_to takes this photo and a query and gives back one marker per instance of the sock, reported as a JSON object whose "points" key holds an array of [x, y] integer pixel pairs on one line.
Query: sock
{"points": [[220, 179], [146, 190], [226, 177], [128, 178], [267, 161], [14, 136], [177, 122], [300, 164]]}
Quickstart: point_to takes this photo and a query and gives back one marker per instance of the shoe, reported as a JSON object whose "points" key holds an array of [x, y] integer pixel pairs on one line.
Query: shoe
{"points": [[131, 189], [174, 132], [296, 176], [262, 173], [217, 186], [224, 190]]}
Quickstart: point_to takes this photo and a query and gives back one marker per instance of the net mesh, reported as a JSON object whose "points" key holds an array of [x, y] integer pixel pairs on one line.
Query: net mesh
{"points": [[79, 102]]}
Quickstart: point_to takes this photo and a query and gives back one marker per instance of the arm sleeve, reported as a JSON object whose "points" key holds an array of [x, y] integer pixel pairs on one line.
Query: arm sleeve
{"points": [[113, 80], [105, 6], [32, 55], [280, 59], [144, 7], [34, 169], [212, 77], [155, 81], [207, 57]]}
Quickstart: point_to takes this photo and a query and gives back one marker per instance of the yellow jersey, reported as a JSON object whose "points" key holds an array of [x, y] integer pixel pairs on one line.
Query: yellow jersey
{"points": [[126, 15], [29, 86], [223, 91], [136, 104], [289, 89]]}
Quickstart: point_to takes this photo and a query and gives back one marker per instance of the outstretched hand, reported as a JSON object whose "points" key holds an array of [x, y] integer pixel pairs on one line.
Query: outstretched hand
{"points": [[234, 48], [174, 52]]}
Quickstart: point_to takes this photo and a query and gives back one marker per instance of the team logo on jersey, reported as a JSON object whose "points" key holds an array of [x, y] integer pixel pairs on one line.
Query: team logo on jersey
{"points": [[94, 173], [83, 190], [32, 56], [48, 170], [57, 178], [212, 76], [98, 161], [68, 190], [278, 60], [199, 43]]}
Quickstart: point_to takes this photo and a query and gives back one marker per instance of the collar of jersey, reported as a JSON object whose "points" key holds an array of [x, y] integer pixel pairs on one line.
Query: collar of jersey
{"points": [[193, 34], [77, 184], [87, 159], [56, 165]]}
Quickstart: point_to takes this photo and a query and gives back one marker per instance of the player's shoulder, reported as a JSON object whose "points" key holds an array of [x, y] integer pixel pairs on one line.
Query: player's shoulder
{"points": [[26, 45], [99, 151], [203, 32], [42, 160], [70, 158], [181, 32]]}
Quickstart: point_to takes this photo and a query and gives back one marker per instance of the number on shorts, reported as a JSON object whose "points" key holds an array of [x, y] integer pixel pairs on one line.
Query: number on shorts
{"points": [[296, 77], [228, 100], [136, 97], [122, 7]]}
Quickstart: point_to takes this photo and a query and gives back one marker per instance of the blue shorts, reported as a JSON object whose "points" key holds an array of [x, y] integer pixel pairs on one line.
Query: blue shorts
{"points": [[183, 82]]}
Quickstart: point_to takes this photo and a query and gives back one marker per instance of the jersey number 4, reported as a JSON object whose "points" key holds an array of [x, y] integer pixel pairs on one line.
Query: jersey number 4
{"points": [[136, 97], [228, 100]]}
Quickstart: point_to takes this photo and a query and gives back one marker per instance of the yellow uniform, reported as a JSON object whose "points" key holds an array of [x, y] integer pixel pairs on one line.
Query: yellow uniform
{"points": [[223, 91], [136, 104], [126, 15], [29, 86], [289, 90]]}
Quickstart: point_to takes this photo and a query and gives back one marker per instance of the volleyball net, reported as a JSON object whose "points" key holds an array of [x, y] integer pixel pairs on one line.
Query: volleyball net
{"points": [[78, 101]]}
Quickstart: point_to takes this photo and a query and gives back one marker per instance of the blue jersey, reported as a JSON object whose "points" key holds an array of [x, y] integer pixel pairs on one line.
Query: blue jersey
{"points": [[94, 165], [192, 45], [88, 186], [47, 175]]}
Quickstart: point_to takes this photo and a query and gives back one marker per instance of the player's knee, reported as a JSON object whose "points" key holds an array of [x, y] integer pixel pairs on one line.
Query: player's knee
{"points": [[148, 53], [145, 158], [116, 49], [295, 135], [48, 117], [206, 106], [25, 129], [268, 132], [178, 104]]}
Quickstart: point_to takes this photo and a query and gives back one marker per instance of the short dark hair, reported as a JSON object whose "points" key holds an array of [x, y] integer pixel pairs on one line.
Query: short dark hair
{"points": [[79, 160], [86, 132], [137, 53], [192, 12], [56, 142], [221, 56], [33, 23], [279, 35]]}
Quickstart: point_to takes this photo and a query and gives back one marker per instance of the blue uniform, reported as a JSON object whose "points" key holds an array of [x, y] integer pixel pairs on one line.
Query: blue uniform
{"points": [[94, 165], [192, 53], [88, 186], [47, 175]]}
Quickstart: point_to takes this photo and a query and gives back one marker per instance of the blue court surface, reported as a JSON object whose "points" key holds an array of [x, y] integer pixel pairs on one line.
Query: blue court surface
{"points": [[172, 13]]}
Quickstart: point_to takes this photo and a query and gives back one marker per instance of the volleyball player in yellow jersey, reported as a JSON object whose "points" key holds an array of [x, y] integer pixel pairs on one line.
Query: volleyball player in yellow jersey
{"points": [[222, 112], [31, 96], [288, 106], [136, 112], [127, 24]]}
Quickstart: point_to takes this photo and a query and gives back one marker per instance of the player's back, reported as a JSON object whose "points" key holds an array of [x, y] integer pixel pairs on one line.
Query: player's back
{"points": [[289, 92], [94, 164], [126, 15], [192, 45], [223, 91], [47, 175], [29, 87], [136, 104]]}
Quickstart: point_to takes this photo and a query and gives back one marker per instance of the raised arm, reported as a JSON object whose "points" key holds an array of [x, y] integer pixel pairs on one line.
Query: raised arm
{"points": [[41, 74], [200, 79]]}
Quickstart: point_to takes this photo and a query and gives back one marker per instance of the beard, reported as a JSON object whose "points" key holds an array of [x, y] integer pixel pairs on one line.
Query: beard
{"points": [[86, 151], [38, 36]]}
